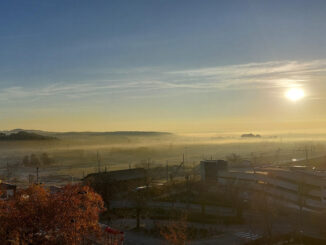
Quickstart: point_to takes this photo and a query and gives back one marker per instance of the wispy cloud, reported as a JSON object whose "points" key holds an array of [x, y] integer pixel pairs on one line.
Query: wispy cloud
{"points": [[266, 75], [63, 89], [255, 75]]}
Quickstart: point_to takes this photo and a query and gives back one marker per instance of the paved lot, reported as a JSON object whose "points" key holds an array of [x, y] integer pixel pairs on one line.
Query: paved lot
{"points": [[232, 235], [133, 238]]}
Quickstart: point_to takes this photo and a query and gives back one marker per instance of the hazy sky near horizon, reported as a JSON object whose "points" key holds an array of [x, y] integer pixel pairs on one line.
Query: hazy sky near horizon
{"points": [[181, 66]]}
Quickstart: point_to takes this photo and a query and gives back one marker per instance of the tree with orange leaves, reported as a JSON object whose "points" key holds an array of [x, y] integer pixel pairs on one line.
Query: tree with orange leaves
{"points": [[35, 216], [175, 232]]}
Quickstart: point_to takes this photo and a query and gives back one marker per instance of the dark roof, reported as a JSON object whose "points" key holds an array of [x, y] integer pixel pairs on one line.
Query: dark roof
{"points": [[119, 175], [213, 161], [6, 186], [54, 189]]}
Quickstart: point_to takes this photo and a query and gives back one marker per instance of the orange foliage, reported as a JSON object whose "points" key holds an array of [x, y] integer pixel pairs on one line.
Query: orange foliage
{"points": [[34, 216], [175, 232]]}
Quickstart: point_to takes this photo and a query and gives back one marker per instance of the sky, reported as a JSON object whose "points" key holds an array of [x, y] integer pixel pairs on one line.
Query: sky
{"points": [[162, 65]]}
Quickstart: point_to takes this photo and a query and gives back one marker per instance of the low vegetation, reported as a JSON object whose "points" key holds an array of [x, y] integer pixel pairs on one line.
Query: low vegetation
{"points": [[36, 216]]}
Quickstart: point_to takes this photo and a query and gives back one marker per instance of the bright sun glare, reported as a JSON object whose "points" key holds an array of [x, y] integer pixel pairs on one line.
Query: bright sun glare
{"points": [[295, 94]]}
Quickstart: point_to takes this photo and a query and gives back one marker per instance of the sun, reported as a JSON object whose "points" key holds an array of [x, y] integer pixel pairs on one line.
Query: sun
{"points": [[295, 94]]}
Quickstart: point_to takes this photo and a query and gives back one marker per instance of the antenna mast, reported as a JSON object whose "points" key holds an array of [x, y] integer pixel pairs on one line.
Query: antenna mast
{"points": [[98, 162]]}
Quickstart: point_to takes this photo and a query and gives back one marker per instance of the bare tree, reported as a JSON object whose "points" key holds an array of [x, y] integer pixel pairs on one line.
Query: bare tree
{"points": [[34, 160], [234, 159], [266, 209]]}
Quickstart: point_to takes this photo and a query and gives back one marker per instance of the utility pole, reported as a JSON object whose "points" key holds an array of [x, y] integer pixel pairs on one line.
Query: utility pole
{"points": [[306, 151], [8, 170], [36, 175], [183, 161], [98, 163], [167, 171]]}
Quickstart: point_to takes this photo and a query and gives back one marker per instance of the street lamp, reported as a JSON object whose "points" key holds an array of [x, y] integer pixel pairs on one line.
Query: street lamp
{"points": [[75, 237]]}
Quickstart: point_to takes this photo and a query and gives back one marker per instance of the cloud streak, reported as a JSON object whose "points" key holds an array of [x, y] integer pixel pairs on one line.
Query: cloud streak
{"points": [[266, 75], [256, 75]]}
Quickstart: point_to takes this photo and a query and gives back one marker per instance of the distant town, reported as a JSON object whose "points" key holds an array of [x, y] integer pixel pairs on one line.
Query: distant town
{"points": [[234, 200]]}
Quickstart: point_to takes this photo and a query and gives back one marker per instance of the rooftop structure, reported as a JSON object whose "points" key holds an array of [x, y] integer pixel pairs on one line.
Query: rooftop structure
{"points": [[209, 169], [7, 190], [119, 181], [119, 175]]}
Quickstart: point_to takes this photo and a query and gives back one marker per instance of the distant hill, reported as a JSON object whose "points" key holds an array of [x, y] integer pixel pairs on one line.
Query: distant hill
{"points": [[114, 133], [17, 130], [22, 135]]}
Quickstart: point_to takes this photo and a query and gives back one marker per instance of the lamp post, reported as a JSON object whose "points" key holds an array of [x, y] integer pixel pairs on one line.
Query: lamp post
{"points": [[75, 235]]}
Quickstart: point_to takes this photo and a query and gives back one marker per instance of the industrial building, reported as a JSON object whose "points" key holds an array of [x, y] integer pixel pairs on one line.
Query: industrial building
{"points": [[133, 174], [7, 190], [210, 169], [120, 181], [295, 186]]}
